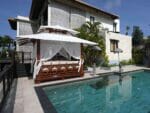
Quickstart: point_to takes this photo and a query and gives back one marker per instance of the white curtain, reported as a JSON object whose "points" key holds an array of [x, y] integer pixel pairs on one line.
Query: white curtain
{"points": [[64, 53], [49, 49], [34, 59], [73, 49]]}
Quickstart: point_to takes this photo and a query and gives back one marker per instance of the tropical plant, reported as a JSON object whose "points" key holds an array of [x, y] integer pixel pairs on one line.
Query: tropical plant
{"points": [[127, 30], [91, 31], [138, 44], [138, 56], [147, 41], [5, 44], [1, 41], [8, 41], [137, 36], [127, 62]]}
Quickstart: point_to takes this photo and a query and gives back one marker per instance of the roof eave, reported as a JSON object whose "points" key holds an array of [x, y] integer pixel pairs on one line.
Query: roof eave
{"points": [[114, 16], [35, 8], [32, 11], [13, 23]]}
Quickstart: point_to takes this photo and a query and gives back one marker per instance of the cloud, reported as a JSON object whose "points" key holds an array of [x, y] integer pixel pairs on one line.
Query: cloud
{"points": [[110, 4]]}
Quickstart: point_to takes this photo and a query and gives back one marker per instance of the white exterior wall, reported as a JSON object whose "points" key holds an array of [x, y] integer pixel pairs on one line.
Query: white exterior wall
{"points": [[106, 22], [24, 27], [54, 18], [49, 14], [65, 15], [118, 25], [125, 43]]}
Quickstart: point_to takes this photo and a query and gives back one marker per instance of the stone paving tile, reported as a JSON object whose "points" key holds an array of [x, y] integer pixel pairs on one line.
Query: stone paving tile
{"points": [[26, 99], [19, 101], [18, 108]]}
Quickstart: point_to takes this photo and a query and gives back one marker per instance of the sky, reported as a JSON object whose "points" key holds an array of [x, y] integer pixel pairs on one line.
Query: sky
{"points": [[131, 13]]}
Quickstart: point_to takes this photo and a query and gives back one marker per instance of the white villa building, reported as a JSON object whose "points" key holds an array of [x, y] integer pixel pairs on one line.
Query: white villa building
{"points": [[67, 15]]}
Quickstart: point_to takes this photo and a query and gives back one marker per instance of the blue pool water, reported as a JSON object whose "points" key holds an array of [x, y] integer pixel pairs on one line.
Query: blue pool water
{"points": [[112, 94]]}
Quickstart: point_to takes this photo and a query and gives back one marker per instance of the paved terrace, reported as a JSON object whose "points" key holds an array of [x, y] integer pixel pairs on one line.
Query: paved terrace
{"points": [[24, 99]]}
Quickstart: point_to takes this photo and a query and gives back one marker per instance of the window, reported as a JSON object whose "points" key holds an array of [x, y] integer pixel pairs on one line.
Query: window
{"points": [[114, 27], [92, 19], [113, 45]]}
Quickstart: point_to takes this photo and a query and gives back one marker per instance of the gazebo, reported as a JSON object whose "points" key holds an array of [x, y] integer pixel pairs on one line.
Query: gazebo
{"points": [[57, 53]]}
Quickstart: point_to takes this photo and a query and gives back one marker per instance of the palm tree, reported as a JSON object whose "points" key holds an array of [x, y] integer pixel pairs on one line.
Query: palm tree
{"points": [[0, 41], [91, 31], [5, 43], [9, 41], [127, 30], [0, 45]]}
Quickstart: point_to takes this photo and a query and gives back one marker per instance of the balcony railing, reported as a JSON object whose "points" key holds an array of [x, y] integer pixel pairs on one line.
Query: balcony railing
{"points": [[23, 57], [6, 80]]}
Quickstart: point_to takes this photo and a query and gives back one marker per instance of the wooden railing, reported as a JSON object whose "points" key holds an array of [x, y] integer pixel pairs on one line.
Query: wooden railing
{"points": [[3, 63], [6, 80]]}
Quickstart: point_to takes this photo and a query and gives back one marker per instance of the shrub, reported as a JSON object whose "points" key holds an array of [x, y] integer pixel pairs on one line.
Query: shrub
{"points": [[137, 56], [127, 62]]}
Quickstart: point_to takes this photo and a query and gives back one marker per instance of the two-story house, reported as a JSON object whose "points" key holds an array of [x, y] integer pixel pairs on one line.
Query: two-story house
{"points": [[72, 14]]}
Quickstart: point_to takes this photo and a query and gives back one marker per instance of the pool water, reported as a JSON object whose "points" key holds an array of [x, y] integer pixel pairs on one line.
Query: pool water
{"points": [[112, 94]]}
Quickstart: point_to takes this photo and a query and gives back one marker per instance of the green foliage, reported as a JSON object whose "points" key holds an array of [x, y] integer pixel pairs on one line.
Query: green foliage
{"points": [[0, 41], [137, 56], [123, 62], [5, 44], [137, 36], [3, 53], [112, 65], [90, 31], [137, 41], [147, 41], [127, 30], [127, 62], [6, 41]]}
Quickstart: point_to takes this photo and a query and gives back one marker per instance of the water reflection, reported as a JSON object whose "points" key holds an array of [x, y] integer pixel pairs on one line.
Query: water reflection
{"points": [[95, 96], [118, 91], [101, 83]]}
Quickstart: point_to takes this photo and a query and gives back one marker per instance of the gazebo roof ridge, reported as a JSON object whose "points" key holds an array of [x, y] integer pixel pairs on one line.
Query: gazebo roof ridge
{"points": [[56, 37], [57, 28]]}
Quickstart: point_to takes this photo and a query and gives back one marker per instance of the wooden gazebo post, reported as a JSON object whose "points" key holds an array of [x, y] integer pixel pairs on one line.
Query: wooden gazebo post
{"points": [[38, 51], [82, 68], [38, 59]]}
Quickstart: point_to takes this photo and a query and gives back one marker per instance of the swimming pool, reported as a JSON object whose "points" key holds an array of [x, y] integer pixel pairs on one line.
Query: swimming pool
{"points": [[129, 93]]}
